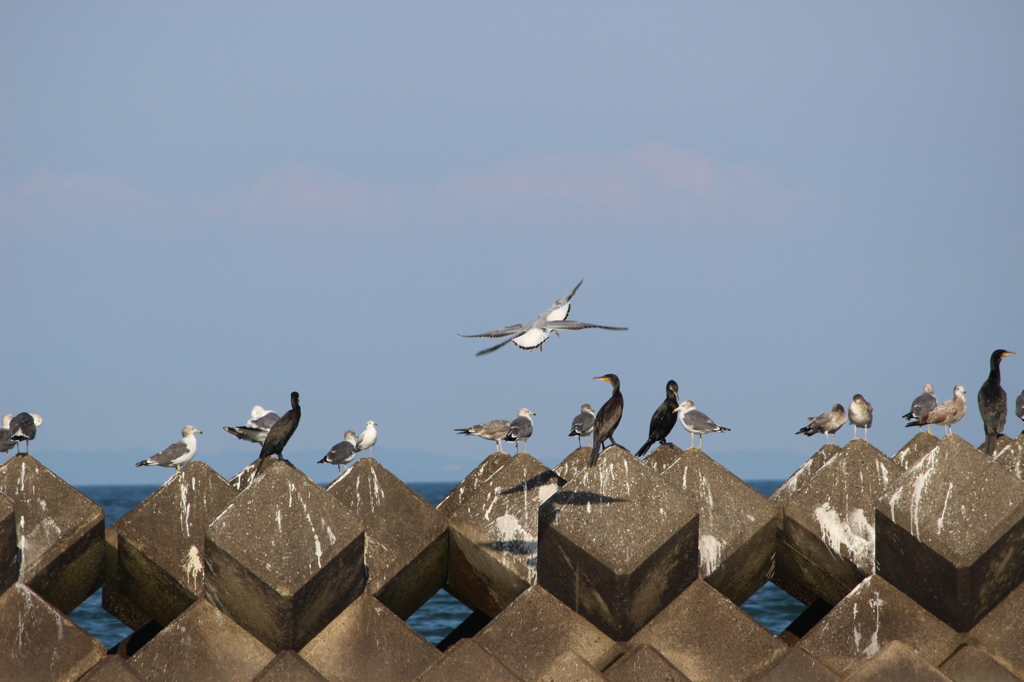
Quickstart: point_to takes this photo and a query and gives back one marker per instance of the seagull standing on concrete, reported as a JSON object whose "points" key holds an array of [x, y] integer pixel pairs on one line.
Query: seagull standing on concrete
{"points": [[521, 428], [177, 454], [583, 423], [256, 429], [6, 442], [696, 422], [827, 423], [946, 414], [23, 428], [367, 438], [342, 453], [495, 430], [533, 334], [663, 419], [607, 419], [861, 414], [923, 403]]}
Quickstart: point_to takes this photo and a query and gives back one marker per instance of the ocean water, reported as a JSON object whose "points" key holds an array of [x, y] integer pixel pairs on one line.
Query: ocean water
{"points": [[770, 606]]}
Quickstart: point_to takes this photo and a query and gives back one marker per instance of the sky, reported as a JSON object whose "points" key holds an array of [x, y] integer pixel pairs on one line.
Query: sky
{"points": [[206, 206]]}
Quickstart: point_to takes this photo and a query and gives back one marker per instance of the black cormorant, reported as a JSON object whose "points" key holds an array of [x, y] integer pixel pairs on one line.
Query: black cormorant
{"points": [[826, 422], [583, 423], [946, 414], [282, 431], [607, 418], [664, 418], [992, 402]]}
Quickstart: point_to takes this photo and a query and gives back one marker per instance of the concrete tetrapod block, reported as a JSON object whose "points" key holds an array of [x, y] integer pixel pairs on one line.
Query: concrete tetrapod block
{"points": [[38, 642], [971, 664], [406, 537], [798, 666], [1011, 457], [60, 533], [617, 544], [950, 533], [709, 638], [1001, 633], [9, 566], [872, 615], [737, 524], [467, 661], [288, 666], [644, 663], [918, 446], [577, 461], [202, 644], [897, 661], [160, 542], [537, 628], [828, 534], [111, 669], [284, 558], [492, 541], [471, 483], [369, 642], [570, 667], [805, 473]]}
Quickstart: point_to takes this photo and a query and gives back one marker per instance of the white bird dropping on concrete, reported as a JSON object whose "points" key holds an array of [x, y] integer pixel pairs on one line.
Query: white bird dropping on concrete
{"points": [[367, 438], [533, 334], [177, 454], [696, 422], [860, 415]]}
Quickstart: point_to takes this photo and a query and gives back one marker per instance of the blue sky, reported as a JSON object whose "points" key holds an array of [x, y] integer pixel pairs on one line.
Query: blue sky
{"points": [[206, 206]]}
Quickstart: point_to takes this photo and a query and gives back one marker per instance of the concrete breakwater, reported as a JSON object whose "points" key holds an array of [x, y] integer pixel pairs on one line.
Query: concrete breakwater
{"points": [[910, 565]]}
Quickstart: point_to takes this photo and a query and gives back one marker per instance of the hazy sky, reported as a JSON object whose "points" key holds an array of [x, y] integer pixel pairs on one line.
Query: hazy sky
{"points": [[206, 206]]}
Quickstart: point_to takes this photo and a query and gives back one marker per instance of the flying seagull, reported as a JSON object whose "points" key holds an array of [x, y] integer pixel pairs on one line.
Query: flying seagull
{"points": [[258, 426], [663, 419], [922, 403], [861, 414], [607, 419], [495, 430], [342, 453], [23, 428], [367, 438], [583, 423], [533, 334], [946, 414], [521, 428], [827, 423], [696, 422], [992, 402], [177, 454]]}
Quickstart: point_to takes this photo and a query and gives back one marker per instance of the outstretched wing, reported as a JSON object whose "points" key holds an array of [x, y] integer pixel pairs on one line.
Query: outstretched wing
{"points": [[497, 333], [570, 324]]}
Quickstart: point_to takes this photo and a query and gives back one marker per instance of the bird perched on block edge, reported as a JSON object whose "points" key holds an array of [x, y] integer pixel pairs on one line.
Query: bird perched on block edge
{"points": [[663, 419], [521, 428], [946, 414], [861, 414], [23, 428], [495, 430], [607, 418], [6, 442], [533, 334], [922, 403], [826, 422], [256, 429], [368, 438], [696, 422], [583, 423], [343, 452], [281, 432], [177, 454], [992, 402]]}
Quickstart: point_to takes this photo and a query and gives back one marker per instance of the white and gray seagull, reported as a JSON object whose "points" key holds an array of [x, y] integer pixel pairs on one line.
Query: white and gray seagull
{"points": [[342, 453], [258, 426], [495, 430], [521, 427], [367, 438], [533, 334], [696, 422], [177, 454]]}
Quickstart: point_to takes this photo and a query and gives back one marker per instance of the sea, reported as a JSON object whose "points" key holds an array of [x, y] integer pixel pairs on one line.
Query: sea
{"points": [[769, 606]]}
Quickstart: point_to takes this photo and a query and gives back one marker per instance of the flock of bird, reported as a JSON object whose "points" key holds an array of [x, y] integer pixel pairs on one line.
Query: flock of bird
{"points": [[272, 433]]}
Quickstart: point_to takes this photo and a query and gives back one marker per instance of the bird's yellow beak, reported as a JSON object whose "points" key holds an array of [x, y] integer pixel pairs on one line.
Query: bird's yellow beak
{"points": [[600, 378], [678, 408], [198, 431], [1009, 352]]}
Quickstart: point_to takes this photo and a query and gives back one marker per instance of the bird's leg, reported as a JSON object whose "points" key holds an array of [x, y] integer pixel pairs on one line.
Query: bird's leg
{"points": [[700, 442], [691, 441]]}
